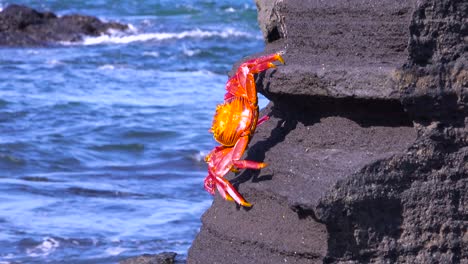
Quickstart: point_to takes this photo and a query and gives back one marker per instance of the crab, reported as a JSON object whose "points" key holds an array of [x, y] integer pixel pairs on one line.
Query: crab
{"points": [[233, 125], [220, 161], [236, 119]]}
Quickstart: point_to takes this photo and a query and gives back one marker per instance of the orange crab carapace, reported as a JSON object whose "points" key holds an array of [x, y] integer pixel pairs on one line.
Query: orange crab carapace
{"points": [[237, 116], [233, 125]]}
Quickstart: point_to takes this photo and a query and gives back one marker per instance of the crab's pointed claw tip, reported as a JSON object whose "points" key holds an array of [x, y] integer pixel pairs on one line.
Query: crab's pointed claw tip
{"points": [[246, 204], [263, 165], [242, 203], [279, 58]]}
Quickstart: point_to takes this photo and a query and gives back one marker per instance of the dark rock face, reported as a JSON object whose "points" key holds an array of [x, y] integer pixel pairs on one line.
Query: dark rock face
{"points": [[410, 208], [434, 80], [23, 26], [339, 49], [367, 144]]}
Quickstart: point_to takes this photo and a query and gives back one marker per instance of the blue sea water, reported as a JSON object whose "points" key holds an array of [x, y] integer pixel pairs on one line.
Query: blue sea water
{"points": [[102, 141]]}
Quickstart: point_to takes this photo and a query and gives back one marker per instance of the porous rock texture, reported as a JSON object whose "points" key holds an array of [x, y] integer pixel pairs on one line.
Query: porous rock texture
{"points": [[24, 26], [367, 143]]}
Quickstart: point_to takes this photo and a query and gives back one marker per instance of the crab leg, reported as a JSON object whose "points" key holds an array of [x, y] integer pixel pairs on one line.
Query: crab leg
{"points": [[229, 193], [268, 58], [262, 120], [225, 189], [239, 150], [243, 83], [257, 66], [262, 67], [248, 164]]}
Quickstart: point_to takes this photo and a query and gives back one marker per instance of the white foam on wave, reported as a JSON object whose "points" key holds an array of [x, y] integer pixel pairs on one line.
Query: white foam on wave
{"points": [[8, 256], [151, 54], [199, 156], [115, 251], [200, 73], [230, 10], [118, 37], [31, 52], [54, 62], [190, 52], [47, 246], [132, 28], [106, 67]]}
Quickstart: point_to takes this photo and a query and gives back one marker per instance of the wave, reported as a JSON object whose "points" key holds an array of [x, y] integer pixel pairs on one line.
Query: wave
{"points": [[35, 179], [11, 160], [87, 192], [230, 10], [151, 54], [131, 147], [45, 248], [106, 67], [190, 52], [149, 134], [53, 62], [114, 37], [199, 156], [3, 103], [115, 251]]}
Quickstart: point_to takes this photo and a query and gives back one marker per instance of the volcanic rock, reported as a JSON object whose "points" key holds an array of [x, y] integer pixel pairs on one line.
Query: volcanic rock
{"points": [[24, 26], [367, 143]]}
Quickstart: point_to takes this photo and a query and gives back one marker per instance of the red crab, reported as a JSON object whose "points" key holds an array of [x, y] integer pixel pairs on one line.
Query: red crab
{"points": [[234, 124], [220, 161]]}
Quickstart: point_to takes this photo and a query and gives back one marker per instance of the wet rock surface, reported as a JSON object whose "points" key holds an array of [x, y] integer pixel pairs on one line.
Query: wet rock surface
{"points": [[24, 26], [367, 144]]}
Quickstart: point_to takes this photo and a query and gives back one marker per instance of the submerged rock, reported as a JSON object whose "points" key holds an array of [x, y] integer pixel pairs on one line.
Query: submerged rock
{"points": [[24, 26], [367, 144], [161, 258]]}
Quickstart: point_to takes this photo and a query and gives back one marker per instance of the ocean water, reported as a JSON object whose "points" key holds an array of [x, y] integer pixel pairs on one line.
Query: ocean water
{"points": [[102, 141]]}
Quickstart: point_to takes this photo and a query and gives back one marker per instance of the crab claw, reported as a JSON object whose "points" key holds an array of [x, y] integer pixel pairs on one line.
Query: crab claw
{"points": [[262, 120], [229, 193], [260, 64], [209, 184], [235, 170], [225, 188], [278, 57]]}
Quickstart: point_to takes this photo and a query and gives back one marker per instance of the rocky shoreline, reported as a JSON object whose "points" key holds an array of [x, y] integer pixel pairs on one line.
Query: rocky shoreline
{"points": [[24, 26], [367, 144]]}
